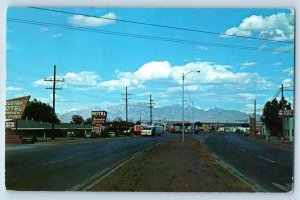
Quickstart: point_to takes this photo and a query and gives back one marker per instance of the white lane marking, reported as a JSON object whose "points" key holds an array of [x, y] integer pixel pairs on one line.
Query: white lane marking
{"points": [[56, 161], [229, 145], [96, 178], [252, 184], [272, 161], [242, 149], [282, 187]]}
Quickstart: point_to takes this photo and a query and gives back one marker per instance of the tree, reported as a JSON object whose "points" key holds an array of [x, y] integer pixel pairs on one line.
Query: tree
{"points": [[271, 117], [198, 123], [38, 111], [77, 119], [88, 121]]}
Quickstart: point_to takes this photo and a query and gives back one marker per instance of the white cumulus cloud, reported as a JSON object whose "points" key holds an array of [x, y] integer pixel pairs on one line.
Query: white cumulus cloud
{"points": [[43, 29], [85, 78], [80, 20], [278, 26], [287, 82], [10, 88], [248, 63], [153, 70], [58, 35], [211, 75], [277, 64]]}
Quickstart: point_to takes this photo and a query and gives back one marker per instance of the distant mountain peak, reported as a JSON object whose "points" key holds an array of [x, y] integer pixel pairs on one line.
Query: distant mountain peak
{"points": [[170, 113]]}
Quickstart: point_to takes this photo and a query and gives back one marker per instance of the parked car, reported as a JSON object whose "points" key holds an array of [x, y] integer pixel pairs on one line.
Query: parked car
{"points": [[71, 134], [87, 134], [111, 134]]}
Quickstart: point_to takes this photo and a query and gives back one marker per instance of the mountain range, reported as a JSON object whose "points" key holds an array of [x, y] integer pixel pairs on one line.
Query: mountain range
{"points": [[170, 113]]}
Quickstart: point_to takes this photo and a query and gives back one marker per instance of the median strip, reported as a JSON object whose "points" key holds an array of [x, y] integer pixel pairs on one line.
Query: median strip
{"points": [[174, 166]]}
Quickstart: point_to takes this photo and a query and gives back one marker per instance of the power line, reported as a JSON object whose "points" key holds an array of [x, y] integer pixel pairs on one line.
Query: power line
{"points": [[139, 36], [160, 26]]}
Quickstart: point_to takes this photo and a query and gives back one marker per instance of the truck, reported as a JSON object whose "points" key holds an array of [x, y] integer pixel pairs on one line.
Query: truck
{"points": [[152, 130], [138, 129]]}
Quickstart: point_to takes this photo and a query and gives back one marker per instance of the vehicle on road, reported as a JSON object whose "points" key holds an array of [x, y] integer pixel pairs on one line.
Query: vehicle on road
{"points": [[152, 130], [138, 129], [111, 134], [87, 134], [70, 134]]}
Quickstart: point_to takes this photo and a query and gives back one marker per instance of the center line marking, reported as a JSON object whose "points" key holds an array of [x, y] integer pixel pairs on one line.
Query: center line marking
{"points": [[272, 161], [242, 149], [56, 161]]}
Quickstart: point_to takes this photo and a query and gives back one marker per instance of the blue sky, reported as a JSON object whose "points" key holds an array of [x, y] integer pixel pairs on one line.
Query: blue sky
{"points": [[97, 67]]}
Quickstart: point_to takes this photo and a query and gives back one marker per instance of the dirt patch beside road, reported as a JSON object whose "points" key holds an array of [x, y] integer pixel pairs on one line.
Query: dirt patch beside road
{"points": [[173, 167]]}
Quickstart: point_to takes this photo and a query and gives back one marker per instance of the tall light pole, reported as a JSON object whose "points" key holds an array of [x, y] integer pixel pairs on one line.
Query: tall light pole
{"points": [[183, 75]]}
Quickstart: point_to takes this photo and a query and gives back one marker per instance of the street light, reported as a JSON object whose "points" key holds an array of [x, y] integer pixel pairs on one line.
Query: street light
{"points": [[183, 75]]}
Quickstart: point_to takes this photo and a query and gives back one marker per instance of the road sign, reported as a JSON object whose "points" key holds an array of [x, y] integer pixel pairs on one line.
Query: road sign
{"points": [[14, 108], [289, 113], [9, 124], [95, 128]]}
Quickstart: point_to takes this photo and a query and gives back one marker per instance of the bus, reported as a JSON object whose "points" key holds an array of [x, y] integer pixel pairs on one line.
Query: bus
{"points": [[152, 130]]}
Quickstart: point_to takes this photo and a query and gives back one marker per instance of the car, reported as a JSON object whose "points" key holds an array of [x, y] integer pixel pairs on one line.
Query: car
{"points": [[87, 134], [111, 134], [70, 134]]}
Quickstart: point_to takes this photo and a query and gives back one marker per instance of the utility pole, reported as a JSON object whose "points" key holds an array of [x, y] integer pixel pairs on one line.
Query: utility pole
{"points": [[193, 119], [254, 120], [282, 109], [151, 107], [218, 122], [53, 88], [126, 105]]}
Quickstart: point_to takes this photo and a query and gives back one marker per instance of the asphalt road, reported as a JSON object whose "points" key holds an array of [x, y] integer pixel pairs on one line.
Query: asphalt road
{"points": [[271, 167], [61, 167]]}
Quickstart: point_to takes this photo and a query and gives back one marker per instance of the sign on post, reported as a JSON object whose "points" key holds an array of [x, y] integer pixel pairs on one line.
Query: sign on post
{"points": [[14, 108], [288, 113], [9, 124], [98, 119]]}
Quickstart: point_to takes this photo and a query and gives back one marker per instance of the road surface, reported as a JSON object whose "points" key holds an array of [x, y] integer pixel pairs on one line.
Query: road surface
{"points": [[271, 167], [62, 167]]}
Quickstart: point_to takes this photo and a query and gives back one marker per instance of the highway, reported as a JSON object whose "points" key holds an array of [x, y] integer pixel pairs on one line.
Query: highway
{"points": [[67, 166], [73, 166], [269, 166]]}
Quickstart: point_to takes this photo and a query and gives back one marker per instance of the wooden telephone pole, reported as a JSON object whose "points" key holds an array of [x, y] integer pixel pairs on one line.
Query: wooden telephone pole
{"points": [[53, 88]]}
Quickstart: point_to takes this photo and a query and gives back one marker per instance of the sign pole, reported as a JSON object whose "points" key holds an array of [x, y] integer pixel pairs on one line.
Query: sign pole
{"points": [[16, 122]]}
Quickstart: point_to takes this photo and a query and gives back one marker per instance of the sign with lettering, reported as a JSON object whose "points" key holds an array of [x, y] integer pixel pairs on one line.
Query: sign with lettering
{"points": [[98, 119], [9, 124], [289, 113], [14, 108]]}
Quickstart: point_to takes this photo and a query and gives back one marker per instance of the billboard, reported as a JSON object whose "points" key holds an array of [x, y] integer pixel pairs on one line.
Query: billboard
{"points": [[98, 119], [14, 108]]}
